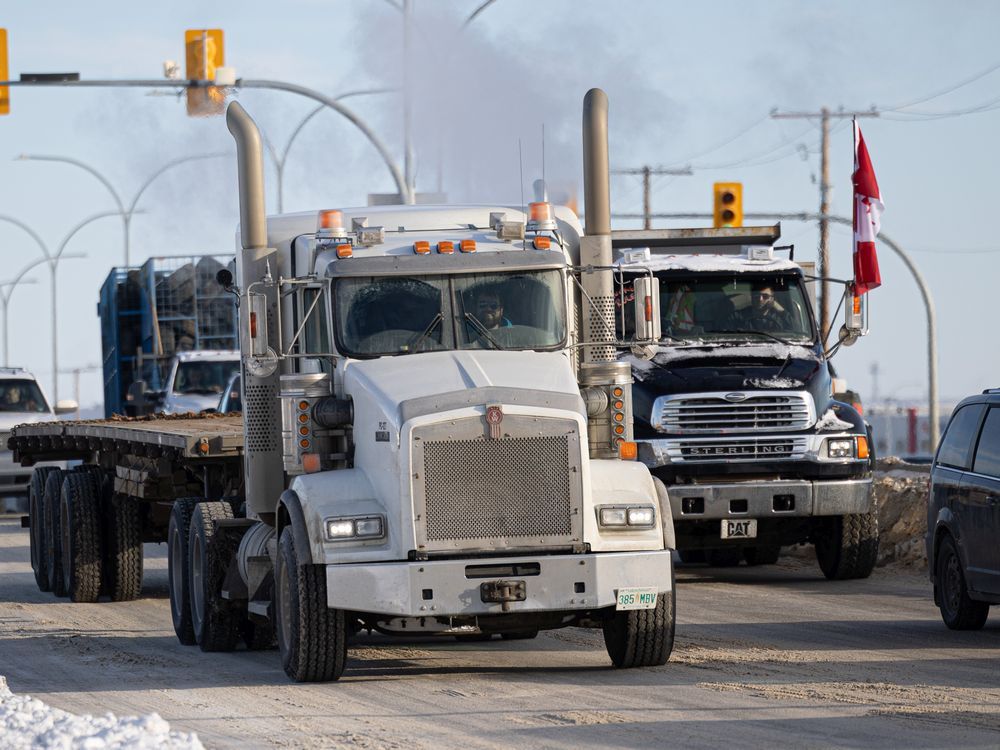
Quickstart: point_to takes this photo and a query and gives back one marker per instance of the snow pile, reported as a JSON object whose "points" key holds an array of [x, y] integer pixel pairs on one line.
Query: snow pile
{"points": [[772, 383], [831, 422], [689, 350], [901, 494], [702, 262], [29, 723]]}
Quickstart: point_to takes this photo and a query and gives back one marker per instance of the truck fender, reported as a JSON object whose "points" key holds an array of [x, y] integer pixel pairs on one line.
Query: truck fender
{"points": [[290, 513], [666, 516]]}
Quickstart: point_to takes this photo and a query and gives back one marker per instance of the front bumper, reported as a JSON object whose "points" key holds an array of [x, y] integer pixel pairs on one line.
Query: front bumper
{"points": [[443, 587], [772, 499]]}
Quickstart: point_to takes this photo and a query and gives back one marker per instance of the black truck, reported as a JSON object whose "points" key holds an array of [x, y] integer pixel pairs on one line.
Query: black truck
{"points": [[734, 410]]}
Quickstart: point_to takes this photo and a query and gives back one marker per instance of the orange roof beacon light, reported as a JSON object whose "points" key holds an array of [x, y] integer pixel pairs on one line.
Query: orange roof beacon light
{"points": [[331, 223], [540, 217], [422, 247], [467, 246], [446, 247]]}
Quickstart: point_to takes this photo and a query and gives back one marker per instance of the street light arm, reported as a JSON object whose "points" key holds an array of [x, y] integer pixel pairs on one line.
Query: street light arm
{"points": [[332, 103], [31, 232], [168, 166], [77, 228], [477, 11], [82, 165]]}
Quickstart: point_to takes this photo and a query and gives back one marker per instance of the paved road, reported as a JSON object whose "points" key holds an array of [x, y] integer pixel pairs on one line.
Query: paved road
{"points": [[763, 657]]}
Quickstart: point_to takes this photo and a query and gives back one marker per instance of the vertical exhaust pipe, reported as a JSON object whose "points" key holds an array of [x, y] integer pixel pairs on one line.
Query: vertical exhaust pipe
{"points": [[605, 381], [250, 158], [262, 457]]}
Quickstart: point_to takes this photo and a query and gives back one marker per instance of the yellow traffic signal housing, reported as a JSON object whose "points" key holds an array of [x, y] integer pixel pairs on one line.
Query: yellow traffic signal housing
{"points": [[728, 210], [203, 53], [4, 73]]}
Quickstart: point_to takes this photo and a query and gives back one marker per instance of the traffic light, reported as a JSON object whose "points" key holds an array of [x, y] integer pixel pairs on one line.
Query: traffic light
{"points": [[203, 53], [728, 211], [4, 90]]}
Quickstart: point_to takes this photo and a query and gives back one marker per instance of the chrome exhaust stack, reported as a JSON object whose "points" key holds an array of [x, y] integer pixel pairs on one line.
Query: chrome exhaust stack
{"points": [[602, 377], [262, 456]]}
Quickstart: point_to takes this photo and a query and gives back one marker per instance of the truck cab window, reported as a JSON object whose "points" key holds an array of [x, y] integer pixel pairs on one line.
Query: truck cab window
{"points": [[21, 396], [509, 311], [379, 316], [203, 377], [720, 307]]}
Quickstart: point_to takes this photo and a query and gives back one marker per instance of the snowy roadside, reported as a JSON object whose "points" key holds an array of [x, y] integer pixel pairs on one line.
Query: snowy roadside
{"points": [[29, 723]]}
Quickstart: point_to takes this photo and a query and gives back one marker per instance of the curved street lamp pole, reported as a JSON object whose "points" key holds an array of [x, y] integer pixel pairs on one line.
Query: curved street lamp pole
{"points": [[280, 160], [6, 290], [125, 213]]}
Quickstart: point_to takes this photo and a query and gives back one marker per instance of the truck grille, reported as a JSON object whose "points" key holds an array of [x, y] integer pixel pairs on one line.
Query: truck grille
{"points": [[481, 493], [761, 411], [737, 449]]}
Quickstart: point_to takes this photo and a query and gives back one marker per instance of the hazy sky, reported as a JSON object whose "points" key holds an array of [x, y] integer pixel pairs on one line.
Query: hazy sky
{"points": [[689, 83]]}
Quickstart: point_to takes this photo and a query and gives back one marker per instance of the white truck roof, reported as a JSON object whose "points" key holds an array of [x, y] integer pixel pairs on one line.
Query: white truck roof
{"points": [[15, 373]]}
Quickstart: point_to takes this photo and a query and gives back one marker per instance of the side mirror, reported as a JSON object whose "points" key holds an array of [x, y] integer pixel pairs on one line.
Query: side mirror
{"points": [[854, 318], [262, 360], [66, 406], [225, 278], [647, 309]]}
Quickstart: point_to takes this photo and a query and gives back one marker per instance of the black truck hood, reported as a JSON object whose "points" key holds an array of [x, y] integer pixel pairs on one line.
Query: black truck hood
{"points": [[729, 369]]}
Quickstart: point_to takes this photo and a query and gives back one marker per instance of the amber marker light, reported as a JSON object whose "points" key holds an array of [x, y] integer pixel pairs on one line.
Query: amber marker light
{"points": [[345, 251], [446, 247], [303, 405], [542, 243], [862, 451], [627, 450], [422, 247], [310, 463], [467, 246]]}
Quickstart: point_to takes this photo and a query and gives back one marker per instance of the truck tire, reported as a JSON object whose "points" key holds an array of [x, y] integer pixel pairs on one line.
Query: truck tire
{"points": [[36, 526], [762, 555], [215, 623], [51, 501], [177, 568], [80, 524], [848, 546], [642, 637], [123, 547], [312, 638], [958, 611]]}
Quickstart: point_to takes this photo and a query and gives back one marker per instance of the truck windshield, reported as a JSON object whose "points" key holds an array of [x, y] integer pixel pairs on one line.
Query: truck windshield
{"points": [[377, 316], [742, 306], [21, 396], [204, 377]]}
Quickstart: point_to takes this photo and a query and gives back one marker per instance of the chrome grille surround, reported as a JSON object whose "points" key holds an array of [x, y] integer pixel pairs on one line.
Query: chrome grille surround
{"points": [[523, 490], [750, 411], [730, 450]]}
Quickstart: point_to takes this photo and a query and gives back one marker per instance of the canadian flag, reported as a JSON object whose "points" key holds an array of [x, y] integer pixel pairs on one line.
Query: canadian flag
{"points": [[868, 209]]}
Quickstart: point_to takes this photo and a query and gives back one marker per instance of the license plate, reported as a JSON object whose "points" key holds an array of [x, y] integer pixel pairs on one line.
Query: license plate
{"points": [[636, 598], [744, 529]]}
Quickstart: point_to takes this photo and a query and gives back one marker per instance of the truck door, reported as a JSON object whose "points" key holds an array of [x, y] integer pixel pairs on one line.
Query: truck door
{"points": [[984, 505]]}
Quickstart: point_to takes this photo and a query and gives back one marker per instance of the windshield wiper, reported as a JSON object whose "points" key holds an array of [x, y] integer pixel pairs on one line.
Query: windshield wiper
{"points": [[482, 329], [415, 342], [756, 333]]}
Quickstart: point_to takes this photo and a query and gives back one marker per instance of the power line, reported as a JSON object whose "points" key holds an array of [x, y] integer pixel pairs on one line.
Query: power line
{"points": [[753, 157], [724, 143], [948, 90]]}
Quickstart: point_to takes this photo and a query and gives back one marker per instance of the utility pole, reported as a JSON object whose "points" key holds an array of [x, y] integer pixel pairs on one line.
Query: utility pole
{"points": [[824, 196], [647, 172]]}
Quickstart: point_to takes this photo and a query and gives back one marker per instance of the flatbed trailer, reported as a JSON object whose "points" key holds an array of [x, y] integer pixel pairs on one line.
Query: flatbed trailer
{"points": [[132, 471]]}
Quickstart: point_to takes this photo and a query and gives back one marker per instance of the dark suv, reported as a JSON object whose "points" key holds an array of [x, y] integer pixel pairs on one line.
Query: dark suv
{"points": [[963, 514]]}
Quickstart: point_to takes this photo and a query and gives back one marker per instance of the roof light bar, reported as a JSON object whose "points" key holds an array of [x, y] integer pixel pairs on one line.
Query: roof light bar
{"points": [[446, 247], [467, 246], [422, 247]]}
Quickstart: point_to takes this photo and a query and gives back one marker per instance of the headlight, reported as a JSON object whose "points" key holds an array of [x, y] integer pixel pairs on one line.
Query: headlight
{"points": [[626, 516], [840, 448], [362, 527]]}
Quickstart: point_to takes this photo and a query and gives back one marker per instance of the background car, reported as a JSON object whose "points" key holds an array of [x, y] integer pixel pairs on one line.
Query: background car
{"points": [[963, 514], [22, 400]]}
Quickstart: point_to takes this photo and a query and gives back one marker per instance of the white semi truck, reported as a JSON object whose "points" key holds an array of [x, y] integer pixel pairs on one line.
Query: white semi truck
{"points": [[434, 440]]}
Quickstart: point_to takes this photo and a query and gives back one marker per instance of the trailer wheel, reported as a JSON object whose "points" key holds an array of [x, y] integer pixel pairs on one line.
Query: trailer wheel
{"points": [[51, 500], [177, 568], [763, 555], [123, 543], [847, 546], [312, 638], [36, 526], [80, 524], [642, 637], [215, 623]]}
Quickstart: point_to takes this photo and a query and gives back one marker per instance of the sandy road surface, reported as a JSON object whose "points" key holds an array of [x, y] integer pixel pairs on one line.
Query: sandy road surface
{"points": [[763, 656]]}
